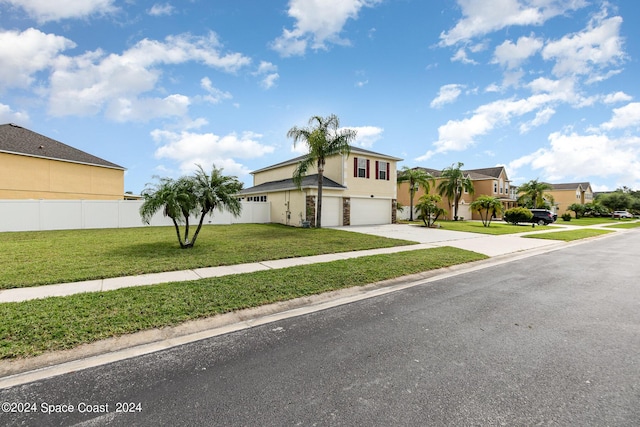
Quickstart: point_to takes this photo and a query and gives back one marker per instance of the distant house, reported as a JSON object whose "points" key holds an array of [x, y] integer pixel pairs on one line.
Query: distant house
{"points": [[564, 195], [486, 182], [359, 189], [33, 166]]}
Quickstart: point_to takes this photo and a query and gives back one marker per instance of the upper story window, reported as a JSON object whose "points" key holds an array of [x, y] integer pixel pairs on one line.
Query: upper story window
{"points": [[495, 187], [382, 170], [360, 167], [501, 186]]}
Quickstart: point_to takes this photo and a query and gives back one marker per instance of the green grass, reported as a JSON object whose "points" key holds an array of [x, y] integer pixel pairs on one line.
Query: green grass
{"points": [[569, 235], [591, 221], [495, 228], [33, 327], [625, 225], [46, 257]]}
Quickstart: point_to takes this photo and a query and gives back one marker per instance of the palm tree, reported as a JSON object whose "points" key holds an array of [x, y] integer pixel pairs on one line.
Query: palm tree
{"points": [[215, 191], [324, 138], [428, 209], [487, 207], [180, 198], [416, 178], [453, 183], [175, 198], [533, 194]]}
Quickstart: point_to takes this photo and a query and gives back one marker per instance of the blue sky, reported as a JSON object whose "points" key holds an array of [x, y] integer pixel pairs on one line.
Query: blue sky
{"points": [[547, 88]]}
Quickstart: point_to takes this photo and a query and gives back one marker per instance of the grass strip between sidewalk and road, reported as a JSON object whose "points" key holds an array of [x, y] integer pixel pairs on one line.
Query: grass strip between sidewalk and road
{"points": [[51, 257], [34, 327], [569, 235]]}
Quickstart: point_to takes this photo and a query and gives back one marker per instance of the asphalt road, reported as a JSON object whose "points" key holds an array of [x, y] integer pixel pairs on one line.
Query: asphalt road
{"points": [[553, 339]]}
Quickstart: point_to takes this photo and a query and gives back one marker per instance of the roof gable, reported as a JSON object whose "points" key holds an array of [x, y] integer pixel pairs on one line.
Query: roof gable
{"points": [[572, 186], [20, 141], [474, 174]]}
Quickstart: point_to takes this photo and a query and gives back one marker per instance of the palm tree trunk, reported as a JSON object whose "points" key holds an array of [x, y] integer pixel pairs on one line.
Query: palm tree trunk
{"points": [[177, 227], [195, 235], [319, 205], [412, 193]]}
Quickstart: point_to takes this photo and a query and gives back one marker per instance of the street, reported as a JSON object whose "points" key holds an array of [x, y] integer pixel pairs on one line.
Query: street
{"points": [[553, 339]]}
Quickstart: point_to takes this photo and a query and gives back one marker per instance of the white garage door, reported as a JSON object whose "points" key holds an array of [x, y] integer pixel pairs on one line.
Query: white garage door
{"points": [[370, 211], [464, 211], [331, 211]]}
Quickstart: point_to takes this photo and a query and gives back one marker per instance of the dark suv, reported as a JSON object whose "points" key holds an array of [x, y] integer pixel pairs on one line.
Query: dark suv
{"points": [[542, 216]]}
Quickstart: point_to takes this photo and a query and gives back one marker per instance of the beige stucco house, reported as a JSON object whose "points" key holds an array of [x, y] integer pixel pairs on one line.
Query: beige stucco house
{"points": [[486, 182], [358, 189], [564, 195], [33, 166]]}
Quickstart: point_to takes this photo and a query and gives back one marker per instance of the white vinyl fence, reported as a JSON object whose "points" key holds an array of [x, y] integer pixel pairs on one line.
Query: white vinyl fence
{"points": [[34, 215]]}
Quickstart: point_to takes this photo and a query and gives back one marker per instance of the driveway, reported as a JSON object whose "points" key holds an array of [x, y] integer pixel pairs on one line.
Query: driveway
{"points": [[482, 243]]}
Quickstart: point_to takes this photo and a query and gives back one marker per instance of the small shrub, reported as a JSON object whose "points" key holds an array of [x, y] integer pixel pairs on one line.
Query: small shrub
{"points": [[516, 215], [566, 216]]}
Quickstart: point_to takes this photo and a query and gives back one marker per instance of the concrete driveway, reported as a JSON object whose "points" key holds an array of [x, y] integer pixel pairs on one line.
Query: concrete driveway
{"points": [[481, 243]]}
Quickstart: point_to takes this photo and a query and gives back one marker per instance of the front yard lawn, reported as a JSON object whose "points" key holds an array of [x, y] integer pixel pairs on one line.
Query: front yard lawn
{"points": [[592, 221], [48, 257], [569, 235], [496, 227], [33, 327]]}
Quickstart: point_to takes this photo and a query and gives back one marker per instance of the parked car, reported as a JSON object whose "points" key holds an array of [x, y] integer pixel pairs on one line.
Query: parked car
{"points": [[543, 216], [621, 214]]}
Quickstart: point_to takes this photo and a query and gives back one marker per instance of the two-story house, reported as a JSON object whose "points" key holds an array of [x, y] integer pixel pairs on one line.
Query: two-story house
{"points": [[358, 189], [564, 195], [486, 182]]}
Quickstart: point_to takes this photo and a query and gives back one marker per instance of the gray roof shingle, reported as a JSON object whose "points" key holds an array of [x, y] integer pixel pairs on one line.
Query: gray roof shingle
{"points": [[288, 184], [15, 139]]}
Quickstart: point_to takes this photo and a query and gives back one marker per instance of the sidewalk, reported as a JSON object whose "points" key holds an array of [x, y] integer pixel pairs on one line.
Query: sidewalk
{"points": [[427, 238]]}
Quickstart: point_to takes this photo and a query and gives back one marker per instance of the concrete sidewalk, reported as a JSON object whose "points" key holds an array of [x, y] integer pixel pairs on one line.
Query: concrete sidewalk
{"points": [[427, 238]]}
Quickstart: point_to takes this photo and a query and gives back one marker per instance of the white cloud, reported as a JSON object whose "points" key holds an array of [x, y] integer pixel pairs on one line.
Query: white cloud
{"points": [[614, 98], [143, 109], [461, 56], [25, 53], [624, 117], [268, 73], [8, 115], [484, 17], [447, 94], [189, 149], [269, 80], [458, 135], [366, 135], [48, 10], [511, 55], [543, 116], [317, 23], [158, 9], [574, 157], [215, 95], [587, 52], [86, 84]]}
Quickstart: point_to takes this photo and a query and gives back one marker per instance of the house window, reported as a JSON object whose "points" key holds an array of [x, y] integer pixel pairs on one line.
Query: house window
{"points": [[382, 170], [495, 187], [361, 168], [501, 186]]}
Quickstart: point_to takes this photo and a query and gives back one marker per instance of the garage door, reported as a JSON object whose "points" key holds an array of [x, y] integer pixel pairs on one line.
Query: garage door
{"points": [[331, 211], [370, 211]]}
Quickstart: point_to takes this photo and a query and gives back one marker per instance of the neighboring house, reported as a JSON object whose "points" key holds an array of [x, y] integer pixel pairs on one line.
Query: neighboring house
{"points": [[33, 166], [564, 195], [486, 182], [359, 189]]}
